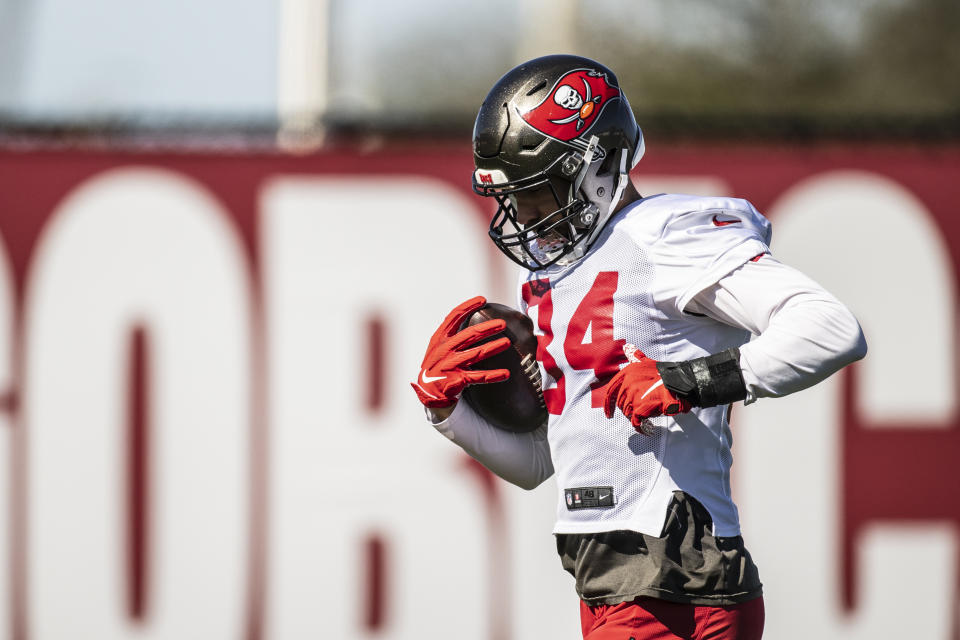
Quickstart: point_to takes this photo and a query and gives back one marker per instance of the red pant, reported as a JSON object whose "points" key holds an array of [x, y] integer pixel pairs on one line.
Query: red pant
{"points": [[652, 619]]}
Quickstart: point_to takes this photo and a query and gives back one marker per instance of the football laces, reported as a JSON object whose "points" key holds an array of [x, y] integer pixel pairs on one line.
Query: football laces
{"points": [[532, 371]]}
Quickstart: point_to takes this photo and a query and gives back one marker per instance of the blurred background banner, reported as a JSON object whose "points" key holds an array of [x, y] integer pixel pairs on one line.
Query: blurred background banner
{"points": [[227, 231]]}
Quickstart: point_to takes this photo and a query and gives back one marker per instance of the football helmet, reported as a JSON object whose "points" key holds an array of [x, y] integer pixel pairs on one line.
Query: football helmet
{"points": [[556, 129]]}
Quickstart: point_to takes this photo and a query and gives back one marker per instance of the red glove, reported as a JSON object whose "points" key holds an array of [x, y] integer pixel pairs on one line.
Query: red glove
{"points": [[443, 374], [639, 392]]}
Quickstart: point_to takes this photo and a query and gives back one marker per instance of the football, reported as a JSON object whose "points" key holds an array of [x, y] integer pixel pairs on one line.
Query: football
{"points": [[516, 404]]}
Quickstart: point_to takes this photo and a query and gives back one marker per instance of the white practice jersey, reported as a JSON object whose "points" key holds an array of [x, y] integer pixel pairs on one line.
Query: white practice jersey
{"points": [[632, 287]]}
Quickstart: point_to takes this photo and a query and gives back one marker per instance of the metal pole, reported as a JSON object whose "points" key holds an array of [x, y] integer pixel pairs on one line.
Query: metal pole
{"points": [[302, 73], [14, 36], [553, 28]]}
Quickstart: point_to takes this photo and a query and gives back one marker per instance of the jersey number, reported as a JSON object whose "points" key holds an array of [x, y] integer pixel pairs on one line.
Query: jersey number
{"points": [[589, 343]]}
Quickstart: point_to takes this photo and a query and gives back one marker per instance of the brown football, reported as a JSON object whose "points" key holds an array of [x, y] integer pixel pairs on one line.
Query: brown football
{"points": [[515, 404]]}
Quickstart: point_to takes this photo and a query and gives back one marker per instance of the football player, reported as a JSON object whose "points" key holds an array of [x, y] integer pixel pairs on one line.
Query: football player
{"points": [[645, 308]]}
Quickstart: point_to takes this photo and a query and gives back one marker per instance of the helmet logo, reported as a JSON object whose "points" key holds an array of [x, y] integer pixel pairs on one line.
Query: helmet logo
{"points": [[489, 177], [572, 106], [568, 97]]}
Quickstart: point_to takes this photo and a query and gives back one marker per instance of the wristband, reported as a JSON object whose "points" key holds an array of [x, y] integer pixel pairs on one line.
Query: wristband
{"points": [[706, 382]]}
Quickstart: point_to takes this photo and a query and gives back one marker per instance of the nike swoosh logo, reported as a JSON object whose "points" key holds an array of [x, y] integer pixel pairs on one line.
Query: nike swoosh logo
{"points": [[722, 223], [659, 383], [425, 379], [425, 392]]}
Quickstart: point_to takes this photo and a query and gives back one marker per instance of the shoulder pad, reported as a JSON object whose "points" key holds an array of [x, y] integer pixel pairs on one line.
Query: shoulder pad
{"points": [[653, 217]]}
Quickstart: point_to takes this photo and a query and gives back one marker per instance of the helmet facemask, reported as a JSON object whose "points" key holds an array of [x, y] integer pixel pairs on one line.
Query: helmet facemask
{"points": [[585, 191], [541, 242]]}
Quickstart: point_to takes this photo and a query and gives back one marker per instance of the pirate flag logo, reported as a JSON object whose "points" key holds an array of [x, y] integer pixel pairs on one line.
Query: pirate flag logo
{"points": [[572, 106]]}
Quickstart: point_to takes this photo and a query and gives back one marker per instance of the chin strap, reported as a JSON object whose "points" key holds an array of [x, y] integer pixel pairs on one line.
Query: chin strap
{"points": [[706, 382]]}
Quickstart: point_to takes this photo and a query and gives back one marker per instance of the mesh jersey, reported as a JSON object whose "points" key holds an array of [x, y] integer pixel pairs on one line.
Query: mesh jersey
{"points": [[632, 287]]}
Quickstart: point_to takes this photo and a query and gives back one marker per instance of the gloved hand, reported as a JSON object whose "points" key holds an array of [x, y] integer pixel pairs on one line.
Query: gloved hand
{"points": [[639, 392], [443, 374]]}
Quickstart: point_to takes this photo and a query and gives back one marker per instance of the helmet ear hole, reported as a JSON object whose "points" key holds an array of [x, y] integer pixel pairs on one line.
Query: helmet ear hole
{"points": [[607, 164]]}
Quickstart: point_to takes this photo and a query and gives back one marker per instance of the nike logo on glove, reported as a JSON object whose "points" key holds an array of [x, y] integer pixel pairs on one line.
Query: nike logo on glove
{"points": [[425, 379], [658, 383], [722, 223]]}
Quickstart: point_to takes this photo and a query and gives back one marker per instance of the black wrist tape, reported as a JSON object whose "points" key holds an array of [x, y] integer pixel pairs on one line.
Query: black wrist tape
{"points": [[706, 382]]}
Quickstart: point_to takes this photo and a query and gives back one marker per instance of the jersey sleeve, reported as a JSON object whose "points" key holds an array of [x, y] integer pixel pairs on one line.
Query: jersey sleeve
{"points": [[697, 248], [522, 459], [803, 333]]}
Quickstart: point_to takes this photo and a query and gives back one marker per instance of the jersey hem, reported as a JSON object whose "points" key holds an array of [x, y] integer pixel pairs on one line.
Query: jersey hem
{"points": [[620, 525], [606, 526], [717, 600]]}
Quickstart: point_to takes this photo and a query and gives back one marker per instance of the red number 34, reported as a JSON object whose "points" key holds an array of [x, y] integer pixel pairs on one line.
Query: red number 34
{"points": [[603, 354]]}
